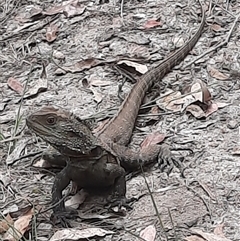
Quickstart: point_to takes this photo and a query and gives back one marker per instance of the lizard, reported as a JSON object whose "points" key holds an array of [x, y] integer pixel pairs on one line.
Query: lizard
{"points": [[101, 160]]}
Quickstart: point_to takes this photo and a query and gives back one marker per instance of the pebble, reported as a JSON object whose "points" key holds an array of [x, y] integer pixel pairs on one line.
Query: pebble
{"points": [[232, 124]]}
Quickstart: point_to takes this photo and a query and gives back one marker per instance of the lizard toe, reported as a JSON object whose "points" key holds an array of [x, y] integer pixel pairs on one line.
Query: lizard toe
{"points": [[63, 217], [121, 202]]}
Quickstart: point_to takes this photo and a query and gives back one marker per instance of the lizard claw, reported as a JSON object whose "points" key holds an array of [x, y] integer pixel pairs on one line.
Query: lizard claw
{"points": [[121, 202], [167, 161], [63, 217]]}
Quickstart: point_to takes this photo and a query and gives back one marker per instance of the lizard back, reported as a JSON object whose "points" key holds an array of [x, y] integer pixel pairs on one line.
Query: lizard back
{"points": [[120, 127]]}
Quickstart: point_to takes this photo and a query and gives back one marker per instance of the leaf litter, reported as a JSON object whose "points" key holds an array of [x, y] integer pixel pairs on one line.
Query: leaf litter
{"points": [[48, 88], [17, 229]]}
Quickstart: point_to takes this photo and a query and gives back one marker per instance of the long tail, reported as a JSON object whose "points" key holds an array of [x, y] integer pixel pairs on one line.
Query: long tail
{"points": [[119, 129]]}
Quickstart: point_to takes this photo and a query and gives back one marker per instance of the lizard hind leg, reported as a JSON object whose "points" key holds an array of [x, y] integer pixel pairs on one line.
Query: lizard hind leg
{"points": [[132, 160]]}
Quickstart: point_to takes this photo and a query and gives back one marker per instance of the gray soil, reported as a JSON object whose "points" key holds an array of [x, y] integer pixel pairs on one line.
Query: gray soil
{"points": [[209, 193]]}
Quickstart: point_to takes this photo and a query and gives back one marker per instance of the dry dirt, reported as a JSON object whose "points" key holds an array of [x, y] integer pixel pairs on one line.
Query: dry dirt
{"points": [[30, 54]]}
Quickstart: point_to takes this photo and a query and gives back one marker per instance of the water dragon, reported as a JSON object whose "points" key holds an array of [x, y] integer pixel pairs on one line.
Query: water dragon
{"points": [[101, 161]]}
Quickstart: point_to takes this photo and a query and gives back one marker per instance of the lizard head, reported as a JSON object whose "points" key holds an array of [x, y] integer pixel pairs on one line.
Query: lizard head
{"points": [[62, 130]]}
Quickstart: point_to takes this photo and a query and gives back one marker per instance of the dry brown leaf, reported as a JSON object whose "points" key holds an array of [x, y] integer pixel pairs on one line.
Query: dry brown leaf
{"points": [[20, 226], [76, 234], [155, 113], [34, 13], [206, 93], [60, 71], [200, 110], [83, 65], [57, 9], [15, 85], [95, 81], [149, 233], [140, 68], [196, 111], [211, 109], [216, 27], [69, 9], [216, 73], [197, 101], [194, 238], [172, 101], [76, 200], [73, 9], [152, 139], [199, 91], [6, 223], [151, 23], [188, 100], [98, 82], [54, 10], [42, 164], [51, 33], [196, 91], [210, 236]]}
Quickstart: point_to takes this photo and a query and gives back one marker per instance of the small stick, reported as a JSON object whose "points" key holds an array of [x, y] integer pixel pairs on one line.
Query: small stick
{"points": [[122, 2]]}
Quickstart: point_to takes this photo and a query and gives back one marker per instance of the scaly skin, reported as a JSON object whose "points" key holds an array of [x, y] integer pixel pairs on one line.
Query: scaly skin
{"points": [[100, 161]]}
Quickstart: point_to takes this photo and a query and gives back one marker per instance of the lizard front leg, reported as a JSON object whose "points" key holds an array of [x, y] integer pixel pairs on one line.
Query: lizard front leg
{"points": [[59, 211], [55, 158], [60, 183]]}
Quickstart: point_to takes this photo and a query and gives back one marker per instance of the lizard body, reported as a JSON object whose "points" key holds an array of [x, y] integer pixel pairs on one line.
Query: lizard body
{"points": [[100, 161]]}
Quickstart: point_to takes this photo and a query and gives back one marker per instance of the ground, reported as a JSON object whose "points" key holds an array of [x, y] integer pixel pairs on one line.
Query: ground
{"points": [[44, 48]]}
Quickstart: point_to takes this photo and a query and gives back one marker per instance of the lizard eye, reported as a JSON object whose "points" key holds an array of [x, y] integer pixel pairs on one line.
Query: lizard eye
{"points": [[51, 120]]}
